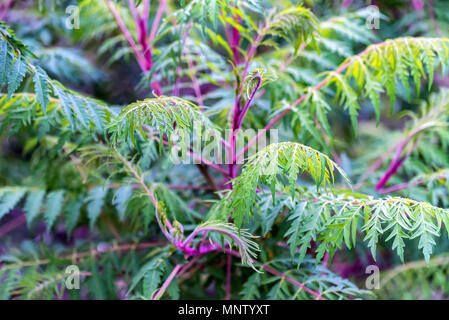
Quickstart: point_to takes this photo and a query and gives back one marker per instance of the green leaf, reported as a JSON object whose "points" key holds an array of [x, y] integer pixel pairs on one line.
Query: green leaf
{"points": [[72, 213], [53, 207], [120, 199], [151, 281], [10, 200], [95, 201], [41, 87], [5, 62], [33, 205], [65, 104], [155, 263], [16, 75]]}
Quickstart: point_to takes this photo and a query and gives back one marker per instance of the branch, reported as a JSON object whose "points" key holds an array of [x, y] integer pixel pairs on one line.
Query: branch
{"points": [[398, 159], [202, 160], [167, 282], [140, 58], [11, 225], [292, 281], [91, 253], [343, 67], [284, 276], [405, 185], [157, 19], [150, 194]]}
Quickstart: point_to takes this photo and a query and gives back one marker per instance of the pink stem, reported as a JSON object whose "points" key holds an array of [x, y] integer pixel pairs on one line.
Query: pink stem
{"points": [[178, 68], [398, 187], [11, 225], [133, 10], [142, 25], [233, 37], [146, 12], [157, 20], [245, 109], [418, 5], [347, 3], [252, 51], [140, 59], [406, 185], [195, 83], [167, 282], [216, 247], [398, 159], [282, 275], [144, 59], [237, 121], [292, 281], [4, 8]]}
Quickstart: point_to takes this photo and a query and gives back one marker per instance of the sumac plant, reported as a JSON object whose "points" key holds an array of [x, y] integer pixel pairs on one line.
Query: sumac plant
{"points": [[224, 149]]}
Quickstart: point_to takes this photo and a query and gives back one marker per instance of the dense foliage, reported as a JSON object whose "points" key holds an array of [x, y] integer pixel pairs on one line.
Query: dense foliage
{"points": [[107, 113]]}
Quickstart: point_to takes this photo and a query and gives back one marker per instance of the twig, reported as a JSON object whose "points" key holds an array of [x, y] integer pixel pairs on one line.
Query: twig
{"points": [[140, 58], [228, 276], [13, 224], [90, 253], [284, 276], [398, 159], [292, 281], [413, 265], [157, 20], [167, 282]]}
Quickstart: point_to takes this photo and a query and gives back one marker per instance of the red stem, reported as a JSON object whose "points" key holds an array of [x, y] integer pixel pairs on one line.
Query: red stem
{"points": [[11, 225], [292, 281], [157, 20], [167, 282], [398, 159], [140, 58]]}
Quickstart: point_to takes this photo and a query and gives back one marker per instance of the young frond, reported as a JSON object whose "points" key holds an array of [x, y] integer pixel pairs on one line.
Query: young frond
{"points": [[167, 115], [296, 24], [241, 238], [110, 159]]}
